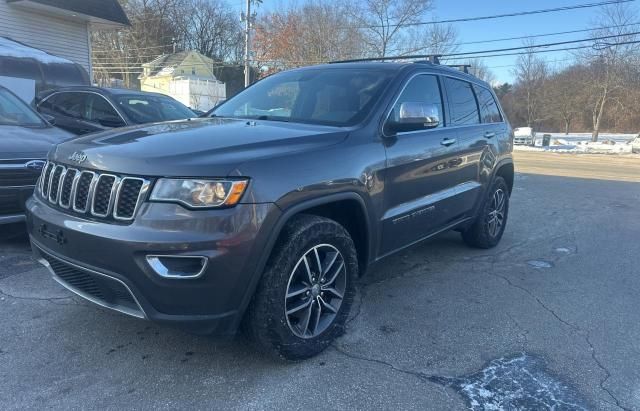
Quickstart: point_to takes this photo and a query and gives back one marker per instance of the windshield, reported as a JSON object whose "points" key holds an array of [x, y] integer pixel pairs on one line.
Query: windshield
{"points": [[152, 109], [15, 112], [338, 97]]}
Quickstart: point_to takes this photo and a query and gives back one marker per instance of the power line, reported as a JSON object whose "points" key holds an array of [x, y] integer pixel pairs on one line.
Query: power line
{"points": [[499, 16], [544, 34], [593, 46], [558, 43]]}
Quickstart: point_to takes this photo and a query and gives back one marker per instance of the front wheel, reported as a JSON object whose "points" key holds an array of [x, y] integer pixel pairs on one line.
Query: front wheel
{"points": [[303, 299], [487, 229]]}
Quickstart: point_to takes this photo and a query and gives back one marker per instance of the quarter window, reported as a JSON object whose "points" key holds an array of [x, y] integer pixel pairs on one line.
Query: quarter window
{"points": [[489, 111], [462, 102], [420, 89]]}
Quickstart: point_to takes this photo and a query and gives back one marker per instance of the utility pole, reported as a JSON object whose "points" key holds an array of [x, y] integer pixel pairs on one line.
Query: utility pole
{"points": [[247, 45]]}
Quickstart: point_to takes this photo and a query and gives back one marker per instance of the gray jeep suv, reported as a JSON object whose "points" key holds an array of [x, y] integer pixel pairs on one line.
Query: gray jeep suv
{"points": [[262, 215]]}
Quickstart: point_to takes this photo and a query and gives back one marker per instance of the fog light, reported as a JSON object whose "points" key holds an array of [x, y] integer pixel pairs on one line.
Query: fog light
{"points": [[178, 266]]}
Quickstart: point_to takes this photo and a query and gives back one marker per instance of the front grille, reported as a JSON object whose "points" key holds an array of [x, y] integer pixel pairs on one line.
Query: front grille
{"points": [[17, 178], [99, 288], [92, 194]]}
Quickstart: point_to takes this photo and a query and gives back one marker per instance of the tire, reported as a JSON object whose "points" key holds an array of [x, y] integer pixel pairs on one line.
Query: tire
{"points": [[483, 233], [273, 320]]}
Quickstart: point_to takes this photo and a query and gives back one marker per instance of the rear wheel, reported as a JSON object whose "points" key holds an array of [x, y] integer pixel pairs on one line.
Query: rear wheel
{"points": [[487, 229], [303, 299]]}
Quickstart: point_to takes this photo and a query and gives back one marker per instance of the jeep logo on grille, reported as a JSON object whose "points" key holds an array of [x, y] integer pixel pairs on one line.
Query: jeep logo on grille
{"points": [[78, 157]]}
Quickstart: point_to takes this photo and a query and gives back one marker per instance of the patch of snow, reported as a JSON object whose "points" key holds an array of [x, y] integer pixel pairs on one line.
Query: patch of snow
{"points": [[11, 48], [539, 264]]}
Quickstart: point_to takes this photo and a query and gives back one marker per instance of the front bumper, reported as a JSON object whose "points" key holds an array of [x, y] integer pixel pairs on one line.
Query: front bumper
{"points": [[12, 203], [106, 263]]}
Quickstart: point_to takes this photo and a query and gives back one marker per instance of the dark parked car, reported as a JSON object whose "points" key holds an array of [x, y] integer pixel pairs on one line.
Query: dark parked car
{"points": [[25, 139], [83, 110], [266, 213]]}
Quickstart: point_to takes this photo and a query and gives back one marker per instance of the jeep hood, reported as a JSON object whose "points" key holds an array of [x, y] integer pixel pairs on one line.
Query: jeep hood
{"points": [[203, 147]]}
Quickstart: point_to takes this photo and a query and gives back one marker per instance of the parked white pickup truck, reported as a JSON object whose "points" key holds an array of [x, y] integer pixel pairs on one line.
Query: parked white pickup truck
{"points": [[524, 136]]}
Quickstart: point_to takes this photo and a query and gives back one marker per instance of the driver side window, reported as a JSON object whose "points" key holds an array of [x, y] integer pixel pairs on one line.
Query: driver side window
{"points": [[423, 89]]}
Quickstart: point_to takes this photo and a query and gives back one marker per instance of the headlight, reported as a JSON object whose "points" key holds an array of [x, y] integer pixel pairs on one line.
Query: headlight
{"points": [[199, 193]]}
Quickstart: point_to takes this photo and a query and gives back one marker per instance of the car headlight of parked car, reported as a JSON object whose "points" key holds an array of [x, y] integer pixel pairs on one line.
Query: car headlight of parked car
{"points": [[195, 193]]}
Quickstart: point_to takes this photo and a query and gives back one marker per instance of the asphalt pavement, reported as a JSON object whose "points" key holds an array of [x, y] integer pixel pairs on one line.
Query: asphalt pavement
{"points": [[549, 318]]}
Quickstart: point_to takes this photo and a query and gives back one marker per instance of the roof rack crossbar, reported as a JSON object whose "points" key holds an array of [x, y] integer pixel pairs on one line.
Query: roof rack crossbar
{"points": [[462, 67], [431, 58]]}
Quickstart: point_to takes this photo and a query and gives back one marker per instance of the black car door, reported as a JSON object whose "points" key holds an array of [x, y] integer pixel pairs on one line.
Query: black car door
{"points": [[421, 172]]}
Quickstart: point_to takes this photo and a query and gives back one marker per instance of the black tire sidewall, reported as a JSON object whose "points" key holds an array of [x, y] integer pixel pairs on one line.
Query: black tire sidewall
{"points": [[498, 183], [478, 234], [267, 319]]}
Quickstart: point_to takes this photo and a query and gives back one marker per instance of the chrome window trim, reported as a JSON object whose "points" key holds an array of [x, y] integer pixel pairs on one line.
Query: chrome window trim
{"points": [[143, 191], [75, 177], [114, 187], [53, 173], [89, 191]]}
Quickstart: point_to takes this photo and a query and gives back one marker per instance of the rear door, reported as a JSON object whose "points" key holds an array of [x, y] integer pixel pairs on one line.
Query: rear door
{"points": [[67, 108], [420, 171], [472, 137]]}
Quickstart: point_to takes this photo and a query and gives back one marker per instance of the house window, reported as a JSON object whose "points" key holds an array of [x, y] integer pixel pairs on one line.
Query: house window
{"points": [[181, 71], [193, 71]]}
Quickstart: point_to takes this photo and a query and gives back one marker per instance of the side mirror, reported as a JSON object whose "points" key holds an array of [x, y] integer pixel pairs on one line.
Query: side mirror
{"points": [[49, 119], [111, 122], [413, 116]]}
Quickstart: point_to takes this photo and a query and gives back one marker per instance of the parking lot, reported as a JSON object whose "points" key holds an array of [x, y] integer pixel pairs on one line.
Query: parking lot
{"points": [[549, 317]]}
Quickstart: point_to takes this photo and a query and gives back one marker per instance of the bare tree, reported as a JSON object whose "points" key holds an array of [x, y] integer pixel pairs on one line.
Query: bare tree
{"points": [[314, 33], [481, 70], [119, 54], [609, 61], [384, 23], [211, 28], [564, 96], [531, 74]]}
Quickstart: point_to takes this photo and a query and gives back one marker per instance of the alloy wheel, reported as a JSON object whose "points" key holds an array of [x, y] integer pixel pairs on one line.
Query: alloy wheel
{"points": [[495, 217], [315, 291]]}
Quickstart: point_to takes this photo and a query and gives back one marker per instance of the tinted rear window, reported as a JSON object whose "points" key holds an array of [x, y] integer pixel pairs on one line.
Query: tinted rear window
{"points": [[462, 102]]}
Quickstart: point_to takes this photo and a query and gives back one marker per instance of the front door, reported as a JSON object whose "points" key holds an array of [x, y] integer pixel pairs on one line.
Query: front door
{"points": [[420, 175]]}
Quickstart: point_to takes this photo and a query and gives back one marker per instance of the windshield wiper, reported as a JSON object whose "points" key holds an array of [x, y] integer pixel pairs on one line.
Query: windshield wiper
{"points": [[272, 118]]}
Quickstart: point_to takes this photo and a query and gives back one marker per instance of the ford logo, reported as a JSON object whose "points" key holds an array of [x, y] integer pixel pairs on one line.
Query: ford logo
{"points": [[35, 165], [78, 157]]}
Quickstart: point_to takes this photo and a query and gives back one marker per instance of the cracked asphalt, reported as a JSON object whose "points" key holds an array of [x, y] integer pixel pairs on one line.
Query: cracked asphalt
{"points": [[548, 319]]}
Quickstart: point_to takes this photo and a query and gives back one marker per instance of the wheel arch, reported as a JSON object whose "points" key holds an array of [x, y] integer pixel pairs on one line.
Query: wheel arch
{"points": [[506, 170], [322, 206]]}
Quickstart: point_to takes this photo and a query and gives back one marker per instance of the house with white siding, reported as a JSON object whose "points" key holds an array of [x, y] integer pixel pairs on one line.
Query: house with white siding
{"points": [[60, 27]]}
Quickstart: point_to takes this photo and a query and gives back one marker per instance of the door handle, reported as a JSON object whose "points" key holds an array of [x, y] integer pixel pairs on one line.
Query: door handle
{"points": [[448, 141], [489, 134]]}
